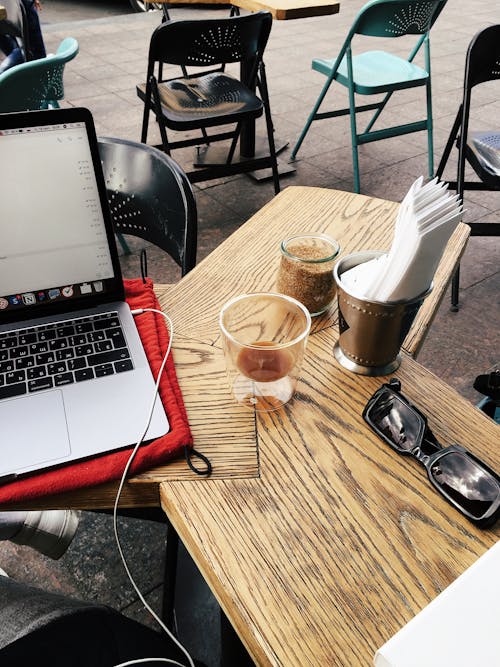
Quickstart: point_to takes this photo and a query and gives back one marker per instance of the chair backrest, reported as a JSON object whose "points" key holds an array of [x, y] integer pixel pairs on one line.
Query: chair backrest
{"points": [[150, 197], [394, 18], [482, 63], [483, 57], [38, 83], [211, 41]]}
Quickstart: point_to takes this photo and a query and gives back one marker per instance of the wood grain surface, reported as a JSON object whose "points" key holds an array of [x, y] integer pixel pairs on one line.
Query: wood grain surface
{"points": [[319, 541], [283, 10], [279, 9], [248, 262], [340, 541]]}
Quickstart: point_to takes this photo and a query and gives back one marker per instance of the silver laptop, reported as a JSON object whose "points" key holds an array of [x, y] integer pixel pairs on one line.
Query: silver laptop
{"points": [[74, 378]]}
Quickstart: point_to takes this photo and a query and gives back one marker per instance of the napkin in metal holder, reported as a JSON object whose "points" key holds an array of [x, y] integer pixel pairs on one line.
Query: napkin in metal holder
{"points": [[371, 332]]}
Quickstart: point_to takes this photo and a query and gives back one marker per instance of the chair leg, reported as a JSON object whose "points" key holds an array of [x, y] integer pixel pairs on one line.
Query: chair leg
{"points": [[274, 159], [232, 650], [234, 142], [158, 114], [377, 113], [449, 144], [312, 115], [145, 115], [270, 128], [354, 141], [169, 578], [455, 284], [430, 132], [123, 244]]}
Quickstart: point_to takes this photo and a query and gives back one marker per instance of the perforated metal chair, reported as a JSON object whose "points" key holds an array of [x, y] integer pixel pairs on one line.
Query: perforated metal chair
{"points": [[479, 149], [375, 72], [150, 197], [37, 84], [211, 98]]}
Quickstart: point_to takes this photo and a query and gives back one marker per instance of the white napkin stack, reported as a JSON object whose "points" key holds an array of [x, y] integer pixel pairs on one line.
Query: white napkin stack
{"points": [[427, 218]]}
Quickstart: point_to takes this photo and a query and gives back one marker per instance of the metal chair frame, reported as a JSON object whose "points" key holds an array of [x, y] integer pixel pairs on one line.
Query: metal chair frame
{"points": [[150, 197], [481, 65], [389, 19], [235, 39], [37, 84]]}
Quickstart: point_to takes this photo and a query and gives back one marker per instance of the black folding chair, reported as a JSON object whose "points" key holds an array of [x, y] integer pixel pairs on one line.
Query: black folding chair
{"points": [[481, 150], [150, 197], [211, 98]]}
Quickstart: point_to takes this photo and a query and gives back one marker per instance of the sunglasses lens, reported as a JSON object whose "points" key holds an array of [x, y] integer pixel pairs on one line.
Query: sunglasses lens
{"points": [[396, 422], [465, 482]]}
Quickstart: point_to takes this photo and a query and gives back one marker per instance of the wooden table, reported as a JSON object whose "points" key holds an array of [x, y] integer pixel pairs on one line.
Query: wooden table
{"points": [[318, 541], [248, 261], [337, 541], [280, 9]]}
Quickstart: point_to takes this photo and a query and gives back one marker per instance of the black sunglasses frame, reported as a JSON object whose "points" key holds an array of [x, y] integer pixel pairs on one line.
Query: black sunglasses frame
{"points": [[428, 451]]}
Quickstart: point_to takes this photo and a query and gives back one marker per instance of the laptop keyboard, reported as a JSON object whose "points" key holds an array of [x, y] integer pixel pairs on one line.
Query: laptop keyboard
{"points": [[54, 355]]}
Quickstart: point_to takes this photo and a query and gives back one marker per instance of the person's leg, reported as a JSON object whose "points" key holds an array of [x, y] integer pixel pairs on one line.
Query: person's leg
{"points": [[8, 44], [15, 57], [36, 43], [50, 630], [49, 532]]}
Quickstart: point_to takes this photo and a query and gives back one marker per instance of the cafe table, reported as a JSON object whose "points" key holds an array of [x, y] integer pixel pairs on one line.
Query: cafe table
{"points": [[318, 541], [281, 10]]}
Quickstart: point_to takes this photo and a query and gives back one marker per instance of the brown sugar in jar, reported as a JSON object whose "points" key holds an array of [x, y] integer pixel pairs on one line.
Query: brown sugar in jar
{"points": [[306, 270]]}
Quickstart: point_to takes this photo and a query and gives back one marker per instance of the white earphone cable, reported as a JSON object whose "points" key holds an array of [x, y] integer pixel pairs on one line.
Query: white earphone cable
{"points": [[117, 499]]}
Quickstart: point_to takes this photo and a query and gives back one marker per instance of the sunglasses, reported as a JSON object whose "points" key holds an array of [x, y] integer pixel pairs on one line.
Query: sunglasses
{"points": [[467, 483]]}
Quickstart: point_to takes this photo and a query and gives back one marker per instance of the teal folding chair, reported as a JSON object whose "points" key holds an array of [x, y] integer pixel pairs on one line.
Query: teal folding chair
{"points": [[376, 72], [37, 84]]}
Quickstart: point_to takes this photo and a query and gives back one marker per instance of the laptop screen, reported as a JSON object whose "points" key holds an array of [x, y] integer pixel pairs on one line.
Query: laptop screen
{"points": [[54, 241]]}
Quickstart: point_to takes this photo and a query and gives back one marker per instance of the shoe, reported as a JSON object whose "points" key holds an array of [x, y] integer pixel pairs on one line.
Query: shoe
{"points": [[3, 573], [50, 532]]}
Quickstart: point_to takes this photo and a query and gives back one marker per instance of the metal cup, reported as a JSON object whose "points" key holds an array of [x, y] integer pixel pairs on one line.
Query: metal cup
{"points": [[371, 332]]}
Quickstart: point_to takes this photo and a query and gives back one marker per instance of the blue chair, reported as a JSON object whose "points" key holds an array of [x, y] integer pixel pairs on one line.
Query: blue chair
{"points": [[37, 84], [375, 72], [14, 33]]}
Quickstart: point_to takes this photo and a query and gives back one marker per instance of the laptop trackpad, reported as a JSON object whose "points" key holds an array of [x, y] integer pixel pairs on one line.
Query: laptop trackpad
{"points": [[33, 432]]}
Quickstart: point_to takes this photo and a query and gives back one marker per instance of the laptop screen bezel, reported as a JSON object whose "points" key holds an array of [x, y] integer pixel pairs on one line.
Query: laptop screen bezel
{"points": [[115, 289]]}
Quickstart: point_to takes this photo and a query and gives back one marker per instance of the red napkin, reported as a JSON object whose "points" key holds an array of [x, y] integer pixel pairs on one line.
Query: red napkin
{"points": [[107, 467]]}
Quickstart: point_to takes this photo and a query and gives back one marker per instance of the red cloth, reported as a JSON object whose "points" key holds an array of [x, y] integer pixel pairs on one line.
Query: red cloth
{"points": [[107, 467]]}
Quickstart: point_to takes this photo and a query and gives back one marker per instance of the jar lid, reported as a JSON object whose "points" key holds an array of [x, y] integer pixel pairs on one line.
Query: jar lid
{"points": [[314, 248]]}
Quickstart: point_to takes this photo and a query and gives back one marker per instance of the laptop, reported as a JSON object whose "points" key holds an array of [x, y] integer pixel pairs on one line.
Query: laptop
{"points": [[74, 378]]}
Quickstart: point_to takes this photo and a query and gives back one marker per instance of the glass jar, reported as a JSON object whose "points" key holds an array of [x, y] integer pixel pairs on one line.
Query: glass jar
{"points": [[306, 270]]}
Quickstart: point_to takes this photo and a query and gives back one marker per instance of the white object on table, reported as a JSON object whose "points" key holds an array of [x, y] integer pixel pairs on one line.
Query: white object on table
{"points": [[427, 218], [459, 628]]}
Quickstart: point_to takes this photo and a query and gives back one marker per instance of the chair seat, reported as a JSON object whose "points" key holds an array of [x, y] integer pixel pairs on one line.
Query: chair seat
{"points": [[375, 72], [212, 99], [483, 154]]}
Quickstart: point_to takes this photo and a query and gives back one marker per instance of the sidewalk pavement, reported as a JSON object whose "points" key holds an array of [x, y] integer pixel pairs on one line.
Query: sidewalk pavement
{"points": [[113, 59]]}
